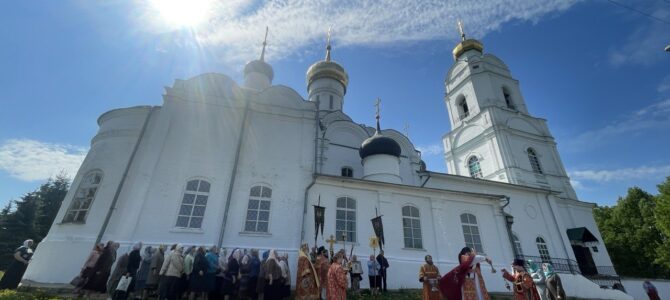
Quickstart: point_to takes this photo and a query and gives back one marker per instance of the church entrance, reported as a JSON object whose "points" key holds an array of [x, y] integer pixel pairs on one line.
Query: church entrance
{"points": [[585, 260]]}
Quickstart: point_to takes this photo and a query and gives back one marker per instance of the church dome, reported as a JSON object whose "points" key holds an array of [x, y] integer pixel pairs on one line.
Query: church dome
{"points": [[379, 144], [467, 45], [327, 69], [259, 66]]}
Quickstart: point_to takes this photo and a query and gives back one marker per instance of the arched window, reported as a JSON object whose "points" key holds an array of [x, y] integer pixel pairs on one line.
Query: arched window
{"points": [[534, 161], [508, 99], [83, 198], [258, 211], [473, 166], [542, 248], [471, 232], [463, 109], [193, 204], [517, 244], [411, 225], [331, 101], [345, 219], [347, 172]]}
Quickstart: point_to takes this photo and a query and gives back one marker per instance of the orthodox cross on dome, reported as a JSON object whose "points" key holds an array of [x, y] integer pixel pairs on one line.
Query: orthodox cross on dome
{"points": [[406, 129], [377, 116], [265, 42], [460, 29], [328, 45]]}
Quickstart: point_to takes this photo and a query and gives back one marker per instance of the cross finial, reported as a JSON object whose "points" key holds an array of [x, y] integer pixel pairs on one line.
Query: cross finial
{"points": [[377, 116], [265, 42], [460, 29], [407, 130], [328, 44]]}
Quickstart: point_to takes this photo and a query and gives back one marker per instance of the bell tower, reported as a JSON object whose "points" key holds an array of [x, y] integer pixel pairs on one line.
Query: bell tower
{"points": [[493, 135]]}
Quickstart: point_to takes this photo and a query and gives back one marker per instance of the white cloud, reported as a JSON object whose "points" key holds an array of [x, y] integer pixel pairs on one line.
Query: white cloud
{"points": [[664, 86], [237, 27], [643, 172], [654, 116], [644, 45], [434, 149], [31, 160]]}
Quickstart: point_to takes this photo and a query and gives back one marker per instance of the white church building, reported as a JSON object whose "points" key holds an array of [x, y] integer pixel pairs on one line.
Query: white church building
{"points": [[240, 166]]}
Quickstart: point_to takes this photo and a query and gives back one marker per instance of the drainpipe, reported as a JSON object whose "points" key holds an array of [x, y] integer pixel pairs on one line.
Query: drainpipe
{"points": [[233, 174], [509, 220], [119, 188], [316, 143]]}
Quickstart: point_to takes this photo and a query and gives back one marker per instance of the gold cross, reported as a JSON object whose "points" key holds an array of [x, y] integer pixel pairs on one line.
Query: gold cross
{"points": [[460, 29], [377, 104], [331, 241]]}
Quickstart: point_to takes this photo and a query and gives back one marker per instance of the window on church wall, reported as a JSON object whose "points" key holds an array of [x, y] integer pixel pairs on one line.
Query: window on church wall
{"points": [[542, 248], [517, 245], [474, 168], [83, 199], [508, 99], [463, 110], [411, 225], [331, 101], [258, 210], [347, 172], [193, 204], [345, 219], [471, 232], [534, 161]]}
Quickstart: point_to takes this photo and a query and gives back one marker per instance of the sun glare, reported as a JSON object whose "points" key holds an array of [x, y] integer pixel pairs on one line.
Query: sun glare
{"points": [[182, 13]]}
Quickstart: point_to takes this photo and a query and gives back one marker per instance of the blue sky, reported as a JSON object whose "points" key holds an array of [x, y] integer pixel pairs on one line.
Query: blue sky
{"points": [[596, 71]]}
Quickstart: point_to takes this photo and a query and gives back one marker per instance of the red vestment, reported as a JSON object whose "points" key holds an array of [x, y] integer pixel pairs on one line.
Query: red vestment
{"points": [[307, 282], [524, 287], [451, 283], [337, 283]]}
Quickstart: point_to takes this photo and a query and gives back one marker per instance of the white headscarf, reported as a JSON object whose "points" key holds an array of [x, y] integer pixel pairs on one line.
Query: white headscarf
{"points": [[236, 255], [137, 246], [273, 255], [27, 243]]}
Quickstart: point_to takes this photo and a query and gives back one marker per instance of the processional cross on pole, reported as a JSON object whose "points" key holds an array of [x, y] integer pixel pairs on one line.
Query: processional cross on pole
{"points": [[331, 241]]}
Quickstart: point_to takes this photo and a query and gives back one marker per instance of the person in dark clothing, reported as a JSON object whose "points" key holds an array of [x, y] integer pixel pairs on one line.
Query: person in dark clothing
{"points": [[134, 261], [254, 271], [384, 265], [230, 280], [197, 280], [103, 267], [18, 266]]}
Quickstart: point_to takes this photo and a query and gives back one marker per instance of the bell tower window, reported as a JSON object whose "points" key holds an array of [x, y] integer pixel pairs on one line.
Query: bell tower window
{"points": [[347, 172], [508, 99], [474, 168], [534, 161], [463, 110], [331, 102]]}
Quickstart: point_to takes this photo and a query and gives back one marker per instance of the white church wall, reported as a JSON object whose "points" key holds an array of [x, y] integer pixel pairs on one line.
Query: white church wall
{"points": [[634, 287], [581, 215]]}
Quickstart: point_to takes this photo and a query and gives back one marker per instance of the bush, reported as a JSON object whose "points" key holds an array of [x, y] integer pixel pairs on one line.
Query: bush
{"points": [[37, 295]]}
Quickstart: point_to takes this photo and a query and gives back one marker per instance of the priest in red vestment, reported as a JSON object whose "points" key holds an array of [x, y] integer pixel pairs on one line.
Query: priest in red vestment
{"points": [[307, 282], [451, 283], [524, 287]]}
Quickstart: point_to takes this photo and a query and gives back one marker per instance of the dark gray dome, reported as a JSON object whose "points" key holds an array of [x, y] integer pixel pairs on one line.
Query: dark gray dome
{"points": [[259, 66], [379, 144]]}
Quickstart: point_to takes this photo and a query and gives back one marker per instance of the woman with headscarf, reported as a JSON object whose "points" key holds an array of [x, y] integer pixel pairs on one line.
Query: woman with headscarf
{"points": [[18, 266], [134, 261], [217, 289], [172, 269], [285, 276], [273, 275], [337, 279], [231, 277], [189, 259], [87, 270], [143, 271], [197, 279], [245, 270], [554, 287], [100, 273], [260, 284], [153, 277], [120, 269], [536, 273]]}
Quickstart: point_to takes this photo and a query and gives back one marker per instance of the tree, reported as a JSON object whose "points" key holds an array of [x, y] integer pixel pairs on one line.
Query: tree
{"points": [[50, 196], [663, 222], [630, 233]]}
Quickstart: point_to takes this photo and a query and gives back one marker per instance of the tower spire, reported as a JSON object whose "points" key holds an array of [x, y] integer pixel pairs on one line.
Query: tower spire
{"points": [[328, 45], [265, 42], [460, 29], [377, 116]]}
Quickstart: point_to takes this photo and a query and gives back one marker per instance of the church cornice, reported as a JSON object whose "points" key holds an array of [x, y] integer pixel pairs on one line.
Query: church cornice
{"points": [[492, 182]]}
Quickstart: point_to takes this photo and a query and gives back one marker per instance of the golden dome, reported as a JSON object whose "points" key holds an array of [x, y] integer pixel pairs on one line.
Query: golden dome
{"points": [[469, 44]]}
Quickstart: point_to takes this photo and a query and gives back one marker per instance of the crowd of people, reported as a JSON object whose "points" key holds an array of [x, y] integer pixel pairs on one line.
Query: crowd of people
{"points": [[180, 272]]}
